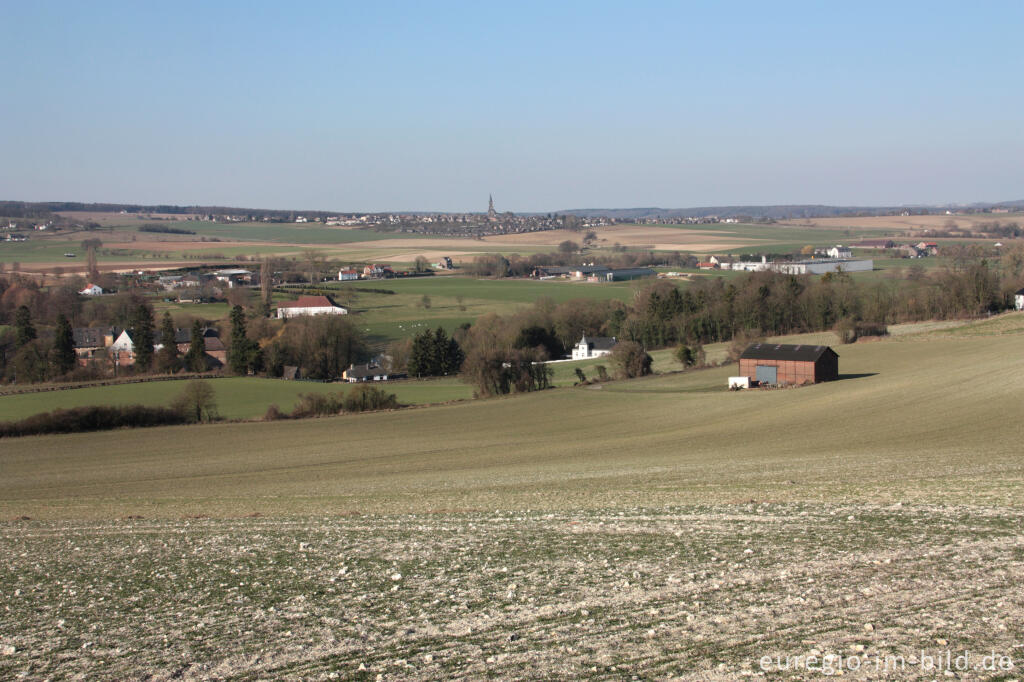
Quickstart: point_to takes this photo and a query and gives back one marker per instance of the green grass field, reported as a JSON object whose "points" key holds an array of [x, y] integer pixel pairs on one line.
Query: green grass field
{"points": [[290, 233], [237, 397], [389, 317], [500, 290], [657, 528]]}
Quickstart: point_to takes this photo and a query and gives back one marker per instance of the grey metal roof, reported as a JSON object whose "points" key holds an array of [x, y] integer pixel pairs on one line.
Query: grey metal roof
{"points": [[92, 337], [785, 351], [361, 371], [631, 271], [602, 342], [184, 334]]}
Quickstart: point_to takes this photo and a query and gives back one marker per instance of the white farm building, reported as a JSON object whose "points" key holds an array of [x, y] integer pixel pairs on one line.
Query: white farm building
{"points": [[309, 305], [593, 347], [819, 266]]}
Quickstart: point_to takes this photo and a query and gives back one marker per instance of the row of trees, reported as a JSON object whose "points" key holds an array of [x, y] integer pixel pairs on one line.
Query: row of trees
{"points": [[515, 265], [500, 350]]}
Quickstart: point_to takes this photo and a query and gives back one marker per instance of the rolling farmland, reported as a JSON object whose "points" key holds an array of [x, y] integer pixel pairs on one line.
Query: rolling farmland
{"points": [[656, 527]]}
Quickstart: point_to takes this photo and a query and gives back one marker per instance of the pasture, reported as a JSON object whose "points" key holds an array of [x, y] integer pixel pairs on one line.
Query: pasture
{"points": [[455, 300], [237, 397]]}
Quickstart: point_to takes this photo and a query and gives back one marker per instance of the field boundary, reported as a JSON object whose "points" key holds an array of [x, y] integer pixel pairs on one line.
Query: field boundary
{"points": [[107, 382]]}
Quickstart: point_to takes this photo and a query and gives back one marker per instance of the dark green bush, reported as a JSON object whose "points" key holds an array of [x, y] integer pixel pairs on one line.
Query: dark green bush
{"points": [[91, 418]]}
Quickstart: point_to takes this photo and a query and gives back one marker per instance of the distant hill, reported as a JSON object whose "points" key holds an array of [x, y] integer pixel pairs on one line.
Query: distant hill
{"points": [[39, 209], [779, 212]]}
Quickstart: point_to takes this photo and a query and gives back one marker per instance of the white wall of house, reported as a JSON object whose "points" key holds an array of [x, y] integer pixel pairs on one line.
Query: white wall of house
{"points": [[1018, 301], [822, 266], [91, 291], [582, 351], [317, 310], [123, 343]]}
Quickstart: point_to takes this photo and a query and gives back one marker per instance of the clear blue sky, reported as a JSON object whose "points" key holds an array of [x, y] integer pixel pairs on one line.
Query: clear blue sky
{"points": [[549, 105]]}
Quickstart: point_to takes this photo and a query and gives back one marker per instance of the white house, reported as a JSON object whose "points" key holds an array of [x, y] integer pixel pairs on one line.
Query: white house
{"points": [[839, 251], [309, 305], [368, 372], [593, 347], [347, 275], [91, 290], [1018, 300]]}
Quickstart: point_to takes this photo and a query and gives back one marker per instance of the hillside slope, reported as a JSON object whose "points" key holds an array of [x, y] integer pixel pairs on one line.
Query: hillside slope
{"points": [[926, 416]]}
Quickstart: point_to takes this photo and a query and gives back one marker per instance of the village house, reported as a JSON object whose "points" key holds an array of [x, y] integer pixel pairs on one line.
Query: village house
{"points": [[371, 371], [593, 347], [216, 351], [309, 305], [91, 343], [786, 364], [839, 251], [378, 271], [347, 275], [91, 290], [122, 351], [1018, 300]]}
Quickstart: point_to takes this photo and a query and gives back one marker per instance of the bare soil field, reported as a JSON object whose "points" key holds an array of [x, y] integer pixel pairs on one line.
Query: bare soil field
{"points": [[656, 528], [695, 592], [637, 236], [127, 265], [907, 223], [630, 236]]}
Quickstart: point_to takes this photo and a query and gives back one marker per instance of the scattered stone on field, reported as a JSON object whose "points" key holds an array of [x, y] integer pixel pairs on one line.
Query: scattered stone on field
{"points": [[653, 585]]}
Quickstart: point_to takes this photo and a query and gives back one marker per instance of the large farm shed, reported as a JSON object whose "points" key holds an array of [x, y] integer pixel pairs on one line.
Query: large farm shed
{"points": [[772, 363]]}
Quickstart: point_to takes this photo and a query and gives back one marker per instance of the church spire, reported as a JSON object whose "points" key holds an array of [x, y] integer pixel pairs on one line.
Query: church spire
{"points": [[491, 213]]}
